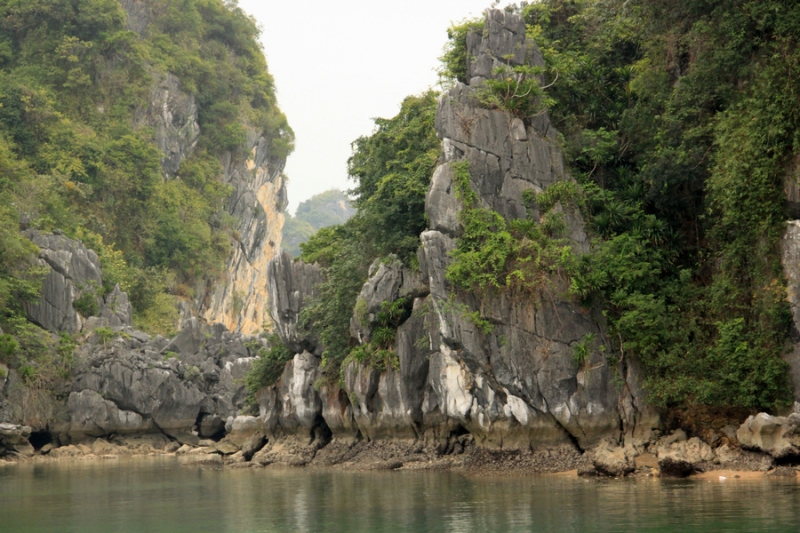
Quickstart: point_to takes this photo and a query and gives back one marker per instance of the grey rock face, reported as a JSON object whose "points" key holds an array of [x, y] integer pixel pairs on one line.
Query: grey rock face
{"points": [[502, 43], [290, 283], [138, 15], [135, 384], [172, 115], [520, 381], [388, 403], [383, 287], [116, 310], [513, 385], [73, 270], [338, 412], [388, 281], [292, 406], [90, 415]]}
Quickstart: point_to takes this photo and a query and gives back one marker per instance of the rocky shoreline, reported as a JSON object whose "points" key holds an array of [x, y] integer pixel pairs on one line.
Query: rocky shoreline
{"points": [[770, 451]]}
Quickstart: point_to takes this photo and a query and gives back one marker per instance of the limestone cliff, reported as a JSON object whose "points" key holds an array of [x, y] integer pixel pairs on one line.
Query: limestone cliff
{"points": [[239, 298], [516, 387]]}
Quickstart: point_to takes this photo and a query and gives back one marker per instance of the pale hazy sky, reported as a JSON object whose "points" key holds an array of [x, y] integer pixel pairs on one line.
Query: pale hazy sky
{"points": [[338, 64]]}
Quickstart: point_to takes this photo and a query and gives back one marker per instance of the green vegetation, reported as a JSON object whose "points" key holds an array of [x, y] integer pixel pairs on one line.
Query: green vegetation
{"points": [[192, 373], [20, 277], [495, 254], [518, 91], [44, 364], [379, 352], [454, 60], [320, 211], [86, 304], [9, 347], [687, 191], [680, 122], [267, 368], [582, 350], [328, 208], [74, 154], [392, 169], [104, 334]]}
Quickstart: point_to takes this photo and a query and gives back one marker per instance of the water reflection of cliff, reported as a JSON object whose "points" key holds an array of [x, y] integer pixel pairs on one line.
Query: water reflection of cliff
{"points": [[156, 495]]}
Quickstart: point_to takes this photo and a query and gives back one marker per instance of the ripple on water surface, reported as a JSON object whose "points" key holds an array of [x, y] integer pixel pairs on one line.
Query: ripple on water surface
{"points": [[156, 495]]}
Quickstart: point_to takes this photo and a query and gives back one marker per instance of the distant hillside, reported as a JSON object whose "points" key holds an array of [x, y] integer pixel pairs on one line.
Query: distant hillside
{"points": [[322, 210]]}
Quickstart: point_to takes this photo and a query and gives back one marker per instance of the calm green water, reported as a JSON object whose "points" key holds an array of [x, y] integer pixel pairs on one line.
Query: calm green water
{"points": [[158, 496]]}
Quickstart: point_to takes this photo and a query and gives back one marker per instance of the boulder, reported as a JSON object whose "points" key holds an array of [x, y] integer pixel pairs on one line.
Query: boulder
{"points": [[242, 428], [777, 436], [252, 445], [735, 458], [201, 459], [611, 460], [190, 339], [679, 457], [226, 447], [14, 439], [211, 426], [117, 310]]}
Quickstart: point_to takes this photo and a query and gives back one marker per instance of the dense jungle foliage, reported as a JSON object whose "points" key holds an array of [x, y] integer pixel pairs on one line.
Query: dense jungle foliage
{"points": [[74, 155], [679, 121]]}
